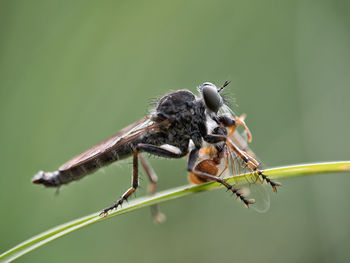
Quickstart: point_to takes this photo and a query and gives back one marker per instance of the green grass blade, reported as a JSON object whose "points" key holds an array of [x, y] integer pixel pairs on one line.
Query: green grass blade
{"points": [[59, 231]]}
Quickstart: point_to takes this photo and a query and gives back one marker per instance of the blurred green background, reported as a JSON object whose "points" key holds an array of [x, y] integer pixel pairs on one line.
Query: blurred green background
{"points": [[74, 72]]}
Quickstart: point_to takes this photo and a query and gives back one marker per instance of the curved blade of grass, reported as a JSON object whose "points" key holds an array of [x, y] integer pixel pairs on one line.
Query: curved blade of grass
{"points": [[59, 231]]}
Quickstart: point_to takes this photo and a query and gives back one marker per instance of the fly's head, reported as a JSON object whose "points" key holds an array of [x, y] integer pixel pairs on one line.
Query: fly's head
{"points": [[211, 97]]}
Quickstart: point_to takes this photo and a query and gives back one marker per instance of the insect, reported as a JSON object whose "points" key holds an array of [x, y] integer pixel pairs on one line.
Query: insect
{"points": [[178, 119], [210, 161]]}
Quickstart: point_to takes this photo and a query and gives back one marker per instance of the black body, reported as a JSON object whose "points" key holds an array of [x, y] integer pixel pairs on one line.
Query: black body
{"points": [[179, 117]]}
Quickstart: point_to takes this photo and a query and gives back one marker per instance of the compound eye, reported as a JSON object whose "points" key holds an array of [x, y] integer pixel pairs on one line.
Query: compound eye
{"points": [[211, 97]]}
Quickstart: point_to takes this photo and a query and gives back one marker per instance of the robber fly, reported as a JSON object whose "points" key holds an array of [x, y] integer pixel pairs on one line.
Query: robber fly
{"points": [[210, 161], [178, 119]]}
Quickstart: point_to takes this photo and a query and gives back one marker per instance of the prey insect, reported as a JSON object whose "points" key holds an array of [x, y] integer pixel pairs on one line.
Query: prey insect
{"points": [[221, 160], [178, 119]]}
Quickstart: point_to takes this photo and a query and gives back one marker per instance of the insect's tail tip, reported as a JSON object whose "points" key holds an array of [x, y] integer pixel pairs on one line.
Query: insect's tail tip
{"points": [[38, 178], [47, 179]]}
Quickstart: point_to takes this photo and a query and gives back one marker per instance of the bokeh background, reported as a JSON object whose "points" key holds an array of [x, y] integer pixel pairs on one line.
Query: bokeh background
{"points": [[74, 72]]}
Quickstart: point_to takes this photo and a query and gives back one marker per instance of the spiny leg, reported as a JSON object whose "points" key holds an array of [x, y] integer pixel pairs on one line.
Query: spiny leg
{"points": [[190, 167], [141, 147], [135, 184], [156, 214], [252, 164]]}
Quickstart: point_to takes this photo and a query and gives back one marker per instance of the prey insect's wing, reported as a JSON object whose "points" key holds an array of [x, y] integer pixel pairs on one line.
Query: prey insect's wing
{"points": [[242, 143], [239, 138], [125, 135], [251, 185]]}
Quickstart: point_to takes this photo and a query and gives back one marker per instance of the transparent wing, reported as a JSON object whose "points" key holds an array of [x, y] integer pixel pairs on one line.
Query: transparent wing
{"points": [[251, 185], [239, 137], [128, 132]]}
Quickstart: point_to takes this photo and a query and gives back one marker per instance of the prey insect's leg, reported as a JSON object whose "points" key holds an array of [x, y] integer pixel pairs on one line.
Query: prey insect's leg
{"points": [[157, 215], [252, 164], [250, 161], [190, 167], [226, 163], [232, 124]]}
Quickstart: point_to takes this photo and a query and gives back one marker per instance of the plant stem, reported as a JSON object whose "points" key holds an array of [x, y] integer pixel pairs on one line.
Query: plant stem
{"points": [[275, 173]]}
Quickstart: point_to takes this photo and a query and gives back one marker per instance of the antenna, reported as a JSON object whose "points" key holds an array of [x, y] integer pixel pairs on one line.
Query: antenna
{"points": [[224, 85]]}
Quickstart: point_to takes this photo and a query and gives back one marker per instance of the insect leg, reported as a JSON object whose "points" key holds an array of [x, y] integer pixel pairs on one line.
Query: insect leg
{"points": [[135, 184], [214, 138], [141, 147], [159, 151], [190, 167], [252, 164], [157, 215], [226, 163], [233, 122]]}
